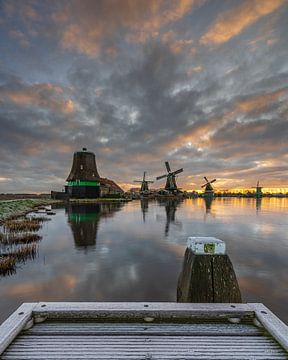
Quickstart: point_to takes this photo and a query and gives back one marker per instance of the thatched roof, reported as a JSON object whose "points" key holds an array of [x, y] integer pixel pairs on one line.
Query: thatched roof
{"points": [[110, 184]]}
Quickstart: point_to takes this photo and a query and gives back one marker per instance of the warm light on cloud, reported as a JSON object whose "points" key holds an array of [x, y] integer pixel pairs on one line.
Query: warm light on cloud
{"points": [[201, 132], [41, 95], [176, 45], [85, 26], [232, 22]]}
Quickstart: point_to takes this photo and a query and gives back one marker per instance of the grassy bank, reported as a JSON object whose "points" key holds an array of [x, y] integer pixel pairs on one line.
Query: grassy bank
{"points": [[14, 208]]}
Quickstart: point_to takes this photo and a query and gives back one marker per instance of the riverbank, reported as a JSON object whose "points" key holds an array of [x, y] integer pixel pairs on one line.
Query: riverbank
{"points": [[14, 208], [11, 207]]}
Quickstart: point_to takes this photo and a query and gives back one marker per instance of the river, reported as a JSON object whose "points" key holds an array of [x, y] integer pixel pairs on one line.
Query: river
{"points": [[134, 251]]}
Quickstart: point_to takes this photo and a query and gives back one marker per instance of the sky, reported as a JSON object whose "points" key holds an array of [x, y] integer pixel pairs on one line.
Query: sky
{"points": [[202, 84]]}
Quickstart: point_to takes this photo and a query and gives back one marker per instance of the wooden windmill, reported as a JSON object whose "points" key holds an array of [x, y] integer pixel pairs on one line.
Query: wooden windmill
{"points": [[83, 180], [144, 183], [209, 191], [258, 192], [171, 178]]}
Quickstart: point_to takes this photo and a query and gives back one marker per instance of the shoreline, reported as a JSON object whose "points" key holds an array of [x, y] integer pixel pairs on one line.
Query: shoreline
{"points": [[15, 208]]}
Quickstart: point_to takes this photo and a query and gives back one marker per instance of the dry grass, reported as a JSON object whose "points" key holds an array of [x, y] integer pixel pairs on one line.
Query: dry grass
{"points": [[24, 252], [25, 238], [7, 265], [41, 218], [22, 225]]}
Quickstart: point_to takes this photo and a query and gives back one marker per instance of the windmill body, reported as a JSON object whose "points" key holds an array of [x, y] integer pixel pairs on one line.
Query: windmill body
{"points": [[144, 184], [209, 191], [171, 185], [83, 180]]}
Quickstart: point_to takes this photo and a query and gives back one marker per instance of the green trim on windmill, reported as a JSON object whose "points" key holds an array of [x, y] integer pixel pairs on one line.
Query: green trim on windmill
{"points": [[83, 217], [83, 183]]}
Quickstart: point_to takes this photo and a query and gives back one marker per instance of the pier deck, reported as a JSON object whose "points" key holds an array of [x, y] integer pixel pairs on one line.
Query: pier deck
{"points": [[143, 331]]}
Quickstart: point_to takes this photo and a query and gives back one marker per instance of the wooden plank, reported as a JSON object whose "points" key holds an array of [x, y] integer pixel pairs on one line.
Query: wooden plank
{"points": [[137, 310], [272, 323], [14, 324], [82, 328]]}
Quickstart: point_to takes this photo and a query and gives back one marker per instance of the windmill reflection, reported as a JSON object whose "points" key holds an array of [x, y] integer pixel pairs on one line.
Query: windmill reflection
{"points": [[258, 204], [84, 221], [144, 207], [207, 279], [208, 202], [171, 205]]}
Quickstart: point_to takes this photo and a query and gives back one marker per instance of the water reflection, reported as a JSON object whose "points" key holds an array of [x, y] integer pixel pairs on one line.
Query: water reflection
{"points": [[84, 221], [171, 205], [144, 207], [127, 259], [208, 202], [258, 204], [207, 279]]}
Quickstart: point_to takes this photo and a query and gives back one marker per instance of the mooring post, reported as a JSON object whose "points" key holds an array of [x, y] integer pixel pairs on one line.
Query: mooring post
{"points": [[207, 274]]}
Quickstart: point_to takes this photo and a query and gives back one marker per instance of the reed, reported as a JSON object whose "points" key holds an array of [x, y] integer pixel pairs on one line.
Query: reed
{"points": [[25, 238], [41, 219], [7, 265], [25, 252], [22, 225]]}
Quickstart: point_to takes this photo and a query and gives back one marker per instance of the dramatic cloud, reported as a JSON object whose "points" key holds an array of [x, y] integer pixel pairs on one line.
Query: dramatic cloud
{"points": [[232, 22], [202, 84], [87, 25]]}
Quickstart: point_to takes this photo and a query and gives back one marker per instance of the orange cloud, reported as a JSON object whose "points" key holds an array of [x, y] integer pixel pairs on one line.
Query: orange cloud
{"points": [[85, 25], [232, 22], [41, 95], [200, 134], [176, 45]]}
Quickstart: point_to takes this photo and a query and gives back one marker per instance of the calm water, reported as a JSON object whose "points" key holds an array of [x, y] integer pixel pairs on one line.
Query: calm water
{"points": [[134, 252]]}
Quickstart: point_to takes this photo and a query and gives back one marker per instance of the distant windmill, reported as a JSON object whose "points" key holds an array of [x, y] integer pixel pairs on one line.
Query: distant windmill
{"points": [[258, 192], [144, 183], [171, 181], [209, 191]]}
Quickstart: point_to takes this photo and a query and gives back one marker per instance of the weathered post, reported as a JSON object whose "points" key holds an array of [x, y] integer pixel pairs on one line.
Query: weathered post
{"points": [[207, 275]]}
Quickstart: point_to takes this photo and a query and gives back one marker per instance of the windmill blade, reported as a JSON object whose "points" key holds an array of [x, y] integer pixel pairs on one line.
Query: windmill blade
{"points": [[150, 181], [161, 177], [204, 185], [177, 171], [207, 181], [168, 166], [138, 181], [144, 175], [212, 181]]}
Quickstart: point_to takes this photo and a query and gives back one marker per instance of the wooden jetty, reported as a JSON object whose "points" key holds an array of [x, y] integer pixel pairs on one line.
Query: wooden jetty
{"points": [[101, 330]]}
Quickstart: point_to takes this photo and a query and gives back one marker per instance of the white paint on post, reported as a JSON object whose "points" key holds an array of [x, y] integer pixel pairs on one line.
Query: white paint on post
{"points": [[202, 245]]}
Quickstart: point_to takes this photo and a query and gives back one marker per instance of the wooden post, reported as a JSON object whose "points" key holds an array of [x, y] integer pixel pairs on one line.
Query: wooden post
{"points": [[207, 279]]}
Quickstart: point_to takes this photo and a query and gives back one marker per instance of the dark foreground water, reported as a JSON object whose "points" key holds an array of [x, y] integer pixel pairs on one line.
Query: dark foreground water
{"points": [[134, 252]]}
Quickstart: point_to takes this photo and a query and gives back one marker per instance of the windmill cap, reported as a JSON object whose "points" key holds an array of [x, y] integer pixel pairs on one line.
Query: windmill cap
{"points": [[84, 149]]}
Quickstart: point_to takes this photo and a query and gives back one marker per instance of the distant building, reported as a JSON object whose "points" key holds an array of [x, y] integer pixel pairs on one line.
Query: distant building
{"points": [[109, 187]]}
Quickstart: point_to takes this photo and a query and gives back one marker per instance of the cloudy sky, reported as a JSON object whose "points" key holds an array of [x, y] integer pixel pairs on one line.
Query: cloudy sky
{"points": [[200, 83]]}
